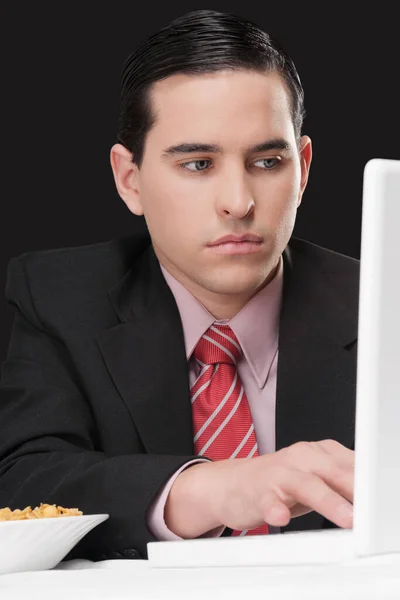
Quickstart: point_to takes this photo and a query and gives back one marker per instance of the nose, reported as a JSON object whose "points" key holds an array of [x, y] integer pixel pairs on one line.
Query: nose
{"points": [[235, 198]]}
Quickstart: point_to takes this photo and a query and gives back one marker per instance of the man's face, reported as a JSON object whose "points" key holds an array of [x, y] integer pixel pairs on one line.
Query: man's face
{"points": [[191, 199]]}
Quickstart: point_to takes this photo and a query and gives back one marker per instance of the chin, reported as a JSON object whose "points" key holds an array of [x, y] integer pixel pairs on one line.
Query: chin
{"points": [[231, 284]]}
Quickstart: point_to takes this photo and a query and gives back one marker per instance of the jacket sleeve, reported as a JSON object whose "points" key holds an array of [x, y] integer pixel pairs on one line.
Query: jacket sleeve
{"points": [[48, 440]]}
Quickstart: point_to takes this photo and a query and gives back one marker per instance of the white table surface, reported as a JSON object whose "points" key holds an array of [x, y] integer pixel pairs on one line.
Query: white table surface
{"points": [[375, 578]]}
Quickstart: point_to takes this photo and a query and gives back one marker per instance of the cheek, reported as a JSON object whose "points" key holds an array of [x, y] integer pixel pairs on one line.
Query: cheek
{"points": [[281, 192], [286, 218], [290, 180], [280, 206], [171, 218]]}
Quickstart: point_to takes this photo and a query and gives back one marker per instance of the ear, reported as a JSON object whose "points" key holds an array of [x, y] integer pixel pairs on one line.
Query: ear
{"points": [[305, 163], [126, 178]]}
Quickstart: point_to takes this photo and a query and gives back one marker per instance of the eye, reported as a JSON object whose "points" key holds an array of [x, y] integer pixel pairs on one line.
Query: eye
{"points": [[204, 162], [193, 162], [270, 166]]}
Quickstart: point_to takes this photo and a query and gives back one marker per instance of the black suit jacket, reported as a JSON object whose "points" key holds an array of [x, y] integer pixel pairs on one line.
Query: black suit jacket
{"points": [[95, 408]]}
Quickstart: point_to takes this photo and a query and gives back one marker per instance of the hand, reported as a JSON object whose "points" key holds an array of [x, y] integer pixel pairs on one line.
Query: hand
{"points": [[273, 488]]}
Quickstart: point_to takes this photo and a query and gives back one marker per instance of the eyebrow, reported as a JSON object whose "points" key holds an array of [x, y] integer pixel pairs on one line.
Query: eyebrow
{"points": [[187, 148]]}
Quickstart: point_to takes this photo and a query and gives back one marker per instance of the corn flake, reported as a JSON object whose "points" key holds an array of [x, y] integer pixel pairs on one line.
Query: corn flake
{"points": [[40, 512]]}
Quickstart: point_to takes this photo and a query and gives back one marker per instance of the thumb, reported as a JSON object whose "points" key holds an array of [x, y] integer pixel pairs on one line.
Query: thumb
{"points": [[276, 513]]}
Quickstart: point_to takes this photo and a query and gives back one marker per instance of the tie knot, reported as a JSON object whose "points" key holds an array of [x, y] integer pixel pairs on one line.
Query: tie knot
{"points": [[218, 345]]}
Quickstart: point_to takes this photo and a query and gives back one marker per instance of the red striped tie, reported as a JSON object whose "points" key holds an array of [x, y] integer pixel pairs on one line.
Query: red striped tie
{"points": [[222, 423]]}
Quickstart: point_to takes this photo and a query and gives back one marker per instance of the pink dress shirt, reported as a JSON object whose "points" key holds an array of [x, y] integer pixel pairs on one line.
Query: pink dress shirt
{"points": [[256, 326]]}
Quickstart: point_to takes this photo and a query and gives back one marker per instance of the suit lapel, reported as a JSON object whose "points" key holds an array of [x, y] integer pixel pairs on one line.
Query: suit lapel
{"points": [[145, 355]]}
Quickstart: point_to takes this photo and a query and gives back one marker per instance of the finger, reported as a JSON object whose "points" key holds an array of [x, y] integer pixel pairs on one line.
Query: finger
{"points": [[344, 456], [296, 508], [310, 490], [329, 462], [274, 511], [342, 481], [279, 517]]}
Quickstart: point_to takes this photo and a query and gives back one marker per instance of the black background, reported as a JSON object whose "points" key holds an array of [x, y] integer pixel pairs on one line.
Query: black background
{"points": [[60, 93]]}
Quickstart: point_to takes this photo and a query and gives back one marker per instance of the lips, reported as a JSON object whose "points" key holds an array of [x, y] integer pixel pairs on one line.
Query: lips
{"points": [[248, 237], [236, 248]]}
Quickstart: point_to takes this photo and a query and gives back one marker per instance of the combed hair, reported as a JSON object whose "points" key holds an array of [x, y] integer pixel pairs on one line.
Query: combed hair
{"points": [[199, 42]]}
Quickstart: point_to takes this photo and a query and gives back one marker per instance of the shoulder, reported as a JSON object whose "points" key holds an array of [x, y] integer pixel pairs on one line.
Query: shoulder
{"points": [[317, 272], [101, 262], [72, 280], [323, 259]]}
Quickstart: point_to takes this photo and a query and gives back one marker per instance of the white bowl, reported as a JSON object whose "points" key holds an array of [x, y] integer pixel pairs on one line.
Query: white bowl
{"points": [[40, 544]]}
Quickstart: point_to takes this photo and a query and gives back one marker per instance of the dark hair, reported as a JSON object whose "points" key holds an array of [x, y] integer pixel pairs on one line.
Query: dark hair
{"points": [[201, 41]]}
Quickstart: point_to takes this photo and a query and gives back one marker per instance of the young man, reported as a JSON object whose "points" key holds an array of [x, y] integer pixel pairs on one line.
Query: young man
{"points": [[198, 379]]}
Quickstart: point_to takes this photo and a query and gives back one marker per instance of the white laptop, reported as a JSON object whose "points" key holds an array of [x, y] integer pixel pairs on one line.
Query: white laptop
{"points": [[376, 523]]}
